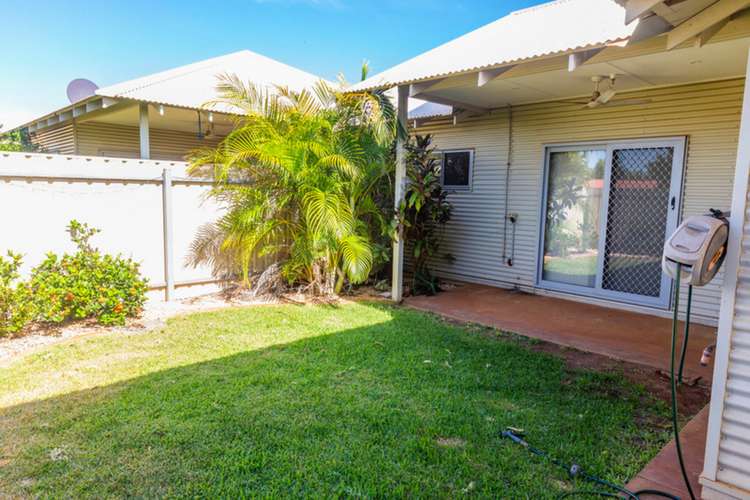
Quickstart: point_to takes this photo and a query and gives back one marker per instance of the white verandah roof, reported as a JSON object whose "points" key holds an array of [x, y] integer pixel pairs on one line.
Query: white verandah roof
{"points": [[575, 35], [553, 28]]}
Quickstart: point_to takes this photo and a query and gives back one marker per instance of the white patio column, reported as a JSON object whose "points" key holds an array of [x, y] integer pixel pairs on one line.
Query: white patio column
{"points": [[397, 281], [725, 473], [143, 129]]}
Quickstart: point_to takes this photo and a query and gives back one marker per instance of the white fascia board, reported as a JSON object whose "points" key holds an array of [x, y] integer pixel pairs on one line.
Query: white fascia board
{"points": [[416, 89], [637, 8], [486, 76], [648, 28], [704, 20], [577, 59], [450, 102]]}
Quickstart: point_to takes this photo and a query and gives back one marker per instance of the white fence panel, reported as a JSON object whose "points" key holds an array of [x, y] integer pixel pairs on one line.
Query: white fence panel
{"points": [[40, 194]]}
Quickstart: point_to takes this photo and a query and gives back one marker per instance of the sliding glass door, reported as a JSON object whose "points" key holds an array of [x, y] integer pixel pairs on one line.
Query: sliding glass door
{"points": [[607, 211], [574, 204]]}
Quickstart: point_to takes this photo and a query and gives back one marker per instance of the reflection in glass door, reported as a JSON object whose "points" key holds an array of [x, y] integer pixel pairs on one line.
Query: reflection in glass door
{"points": [[607, 211], [572, 229]]}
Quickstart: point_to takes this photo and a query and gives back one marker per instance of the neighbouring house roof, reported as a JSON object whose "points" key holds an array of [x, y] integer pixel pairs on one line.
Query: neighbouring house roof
{"points": [[419, 109], [548, 29], [189, 86], [424, 110], [625, 184], [193, 85]]}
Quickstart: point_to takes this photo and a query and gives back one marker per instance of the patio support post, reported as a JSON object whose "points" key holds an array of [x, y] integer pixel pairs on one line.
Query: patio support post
{"points": [[397, 281], [729, 287], [166, 198], [144, 133]]}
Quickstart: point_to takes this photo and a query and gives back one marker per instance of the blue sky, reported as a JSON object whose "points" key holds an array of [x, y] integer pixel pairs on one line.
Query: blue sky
{"points": [[48, 43]]}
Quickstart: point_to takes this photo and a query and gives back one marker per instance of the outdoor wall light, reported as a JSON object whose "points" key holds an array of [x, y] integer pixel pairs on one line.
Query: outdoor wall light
{"points": [[161, 109]]}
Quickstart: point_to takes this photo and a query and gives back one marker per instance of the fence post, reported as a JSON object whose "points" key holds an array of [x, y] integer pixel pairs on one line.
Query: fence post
{"points": [[166, 196]]}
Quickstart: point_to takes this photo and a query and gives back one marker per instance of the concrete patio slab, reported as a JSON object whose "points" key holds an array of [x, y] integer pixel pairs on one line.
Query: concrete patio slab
{"points": [[663, 472], [624, 335]]}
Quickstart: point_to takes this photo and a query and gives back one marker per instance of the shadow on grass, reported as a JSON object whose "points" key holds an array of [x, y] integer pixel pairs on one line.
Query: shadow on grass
{"points": [[410, 406]]}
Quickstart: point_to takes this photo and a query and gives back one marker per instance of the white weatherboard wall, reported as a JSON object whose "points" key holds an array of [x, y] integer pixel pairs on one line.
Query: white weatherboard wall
{"points": [[40, 194], [708, 114], [726, 467]]}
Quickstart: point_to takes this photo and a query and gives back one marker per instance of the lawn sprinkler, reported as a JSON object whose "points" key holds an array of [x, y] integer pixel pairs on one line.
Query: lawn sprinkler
{"points": [[693, 255]]}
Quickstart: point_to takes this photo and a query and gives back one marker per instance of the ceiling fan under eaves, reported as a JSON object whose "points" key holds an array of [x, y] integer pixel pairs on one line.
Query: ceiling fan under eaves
{"points": [[604, 97]]}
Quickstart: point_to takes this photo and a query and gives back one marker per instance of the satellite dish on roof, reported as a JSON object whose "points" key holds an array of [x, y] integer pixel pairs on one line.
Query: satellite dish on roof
{"points": [[80, 89]]}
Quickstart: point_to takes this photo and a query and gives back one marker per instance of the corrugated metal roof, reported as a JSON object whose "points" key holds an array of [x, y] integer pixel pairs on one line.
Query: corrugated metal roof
{"points": [[193, 85], [547, 29]]}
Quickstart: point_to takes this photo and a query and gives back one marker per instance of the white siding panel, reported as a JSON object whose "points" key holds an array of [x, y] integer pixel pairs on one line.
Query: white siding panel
{"points": [[727, 463], [58, 139], [107, 139], [707, 114]]}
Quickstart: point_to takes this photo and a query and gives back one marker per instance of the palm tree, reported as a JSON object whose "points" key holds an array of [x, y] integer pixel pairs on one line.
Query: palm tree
{"points": [[300, 177]]}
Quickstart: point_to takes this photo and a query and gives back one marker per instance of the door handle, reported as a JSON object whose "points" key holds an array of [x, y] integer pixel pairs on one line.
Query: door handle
{"points": [[673, 202]]}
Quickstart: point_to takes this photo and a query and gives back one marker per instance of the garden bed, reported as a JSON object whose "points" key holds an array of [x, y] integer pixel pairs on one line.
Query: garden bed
{"points": [[154, 315]]}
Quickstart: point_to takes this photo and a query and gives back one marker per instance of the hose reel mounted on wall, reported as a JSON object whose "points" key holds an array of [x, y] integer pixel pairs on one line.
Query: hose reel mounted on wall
{"points": [[697, 249]]}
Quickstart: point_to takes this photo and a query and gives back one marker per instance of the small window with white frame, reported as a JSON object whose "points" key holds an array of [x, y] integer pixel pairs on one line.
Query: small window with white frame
{"points": [[457, 166]]}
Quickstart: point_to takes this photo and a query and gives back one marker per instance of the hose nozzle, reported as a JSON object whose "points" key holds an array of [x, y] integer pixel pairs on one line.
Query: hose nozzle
{"points": [[515, 435], [708, 353]]}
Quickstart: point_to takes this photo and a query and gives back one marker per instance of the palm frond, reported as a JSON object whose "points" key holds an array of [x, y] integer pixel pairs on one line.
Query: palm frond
{"points": [[313, 162], [327, 213], [206, 249], [357, 257]]}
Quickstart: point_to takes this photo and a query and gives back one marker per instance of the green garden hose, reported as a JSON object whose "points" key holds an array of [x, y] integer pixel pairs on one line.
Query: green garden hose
{"points": [[620, 491], [686, 334], [575, 470], [672, 377]]}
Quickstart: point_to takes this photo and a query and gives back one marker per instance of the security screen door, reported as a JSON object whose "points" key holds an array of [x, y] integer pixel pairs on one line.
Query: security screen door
{"points": [[608, 208]]}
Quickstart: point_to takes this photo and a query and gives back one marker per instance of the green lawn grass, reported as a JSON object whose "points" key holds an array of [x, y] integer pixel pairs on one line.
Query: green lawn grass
{"points": [[360, 400]]}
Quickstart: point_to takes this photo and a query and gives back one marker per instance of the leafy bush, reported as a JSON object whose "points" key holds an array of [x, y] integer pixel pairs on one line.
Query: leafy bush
{"points": [[316, 169], [16, 307], [424, 211], [589, 231], [559, 241], [18, 140], [87, 284]]}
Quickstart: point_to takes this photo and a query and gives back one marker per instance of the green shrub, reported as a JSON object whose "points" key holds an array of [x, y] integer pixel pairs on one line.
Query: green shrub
{"points": [[16, 307], [17, 140], [424, 211], [559, 241], [87, 284]]}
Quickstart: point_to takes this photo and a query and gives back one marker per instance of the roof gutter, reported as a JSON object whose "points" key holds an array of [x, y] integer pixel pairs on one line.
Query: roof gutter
{"points": [[168, 104], [95, 103], [82, 107]]}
